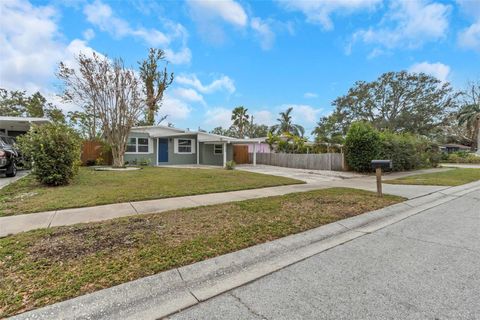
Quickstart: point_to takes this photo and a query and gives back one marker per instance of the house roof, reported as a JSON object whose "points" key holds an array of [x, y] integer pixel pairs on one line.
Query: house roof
{"points": [[20, 123], [164, 131], [455, 145]]}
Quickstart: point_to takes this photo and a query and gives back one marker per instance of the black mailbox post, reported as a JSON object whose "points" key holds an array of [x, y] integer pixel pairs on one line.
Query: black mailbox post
{"points": [[378, 165]]}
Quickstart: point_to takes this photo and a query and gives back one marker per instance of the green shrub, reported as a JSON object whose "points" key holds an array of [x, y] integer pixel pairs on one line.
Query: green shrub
{"points": [[145, 162], [54, 150], [230, 165], [362, 145], [461, 157], [401, 149]]}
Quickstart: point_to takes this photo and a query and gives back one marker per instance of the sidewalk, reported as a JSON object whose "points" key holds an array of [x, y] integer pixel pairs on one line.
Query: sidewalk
{"points": [[25, 222], [165, 293]]}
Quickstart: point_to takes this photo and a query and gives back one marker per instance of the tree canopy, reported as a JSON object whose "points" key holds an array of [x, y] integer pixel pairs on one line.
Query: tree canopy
{"points": [[396, 101], [19, 104]]}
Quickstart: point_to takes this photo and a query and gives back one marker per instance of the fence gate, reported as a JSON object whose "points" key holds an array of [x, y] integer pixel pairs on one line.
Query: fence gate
{"points": [[240, 154]]}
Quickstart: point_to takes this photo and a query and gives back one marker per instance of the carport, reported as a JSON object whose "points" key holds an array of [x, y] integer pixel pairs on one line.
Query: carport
{"points": [[15, 126]]}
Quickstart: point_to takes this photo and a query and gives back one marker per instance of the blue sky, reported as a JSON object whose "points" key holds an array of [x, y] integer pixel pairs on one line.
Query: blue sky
{"points": [[263, 55]]}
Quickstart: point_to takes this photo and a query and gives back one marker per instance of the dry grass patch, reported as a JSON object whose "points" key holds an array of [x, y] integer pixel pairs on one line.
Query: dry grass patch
{"points": [[46, 266]]}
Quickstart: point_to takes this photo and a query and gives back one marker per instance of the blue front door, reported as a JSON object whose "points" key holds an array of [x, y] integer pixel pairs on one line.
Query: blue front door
{"points": [[162, 150]]}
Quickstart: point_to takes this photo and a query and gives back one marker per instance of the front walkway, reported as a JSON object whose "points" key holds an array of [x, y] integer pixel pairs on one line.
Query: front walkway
{"points": [[25, 222]]}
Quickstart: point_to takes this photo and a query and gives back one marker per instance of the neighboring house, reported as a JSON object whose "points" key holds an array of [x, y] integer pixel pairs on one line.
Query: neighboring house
{"points": [[453, 147], [161, 145], [15, 126]]}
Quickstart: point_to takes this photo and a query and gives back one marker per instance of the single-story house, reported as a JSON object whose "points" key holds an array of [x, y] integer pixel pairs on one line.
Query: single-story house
{"points": [[453, 147], [161, 145], [15, 126]]}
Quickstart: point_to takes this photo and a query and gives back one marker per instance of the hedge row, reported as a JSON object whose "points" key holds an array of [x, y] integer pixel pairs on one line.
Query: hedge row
{"points": [[364, 143]]}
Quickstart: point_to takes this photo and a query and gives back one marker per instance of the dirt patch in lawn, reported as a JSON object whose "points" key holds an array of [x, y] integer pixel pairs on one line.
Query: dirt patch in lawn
{"points": [[41, 267]]}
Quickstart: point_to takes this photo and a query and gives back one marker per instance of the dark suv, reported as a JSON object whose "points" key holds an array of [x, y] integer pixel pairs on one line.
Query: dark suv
{"points": [[9, 156]]}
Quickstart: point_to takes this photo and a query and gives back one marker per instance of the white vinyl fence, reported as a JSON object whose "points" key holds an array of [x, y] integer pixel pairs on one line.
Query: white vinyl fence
{"points": [[314, 161]]}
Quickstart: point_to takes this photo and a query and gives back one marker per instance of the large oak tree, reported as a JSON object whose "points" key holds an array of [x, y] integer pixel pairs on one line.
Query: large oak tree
{"points": [[396, 101]]}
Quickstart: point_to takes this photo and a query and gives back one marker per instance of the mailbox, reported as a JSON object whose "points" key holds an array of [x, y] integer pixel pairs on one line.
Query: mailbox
{"points": [[382, 164], [378, 165]]}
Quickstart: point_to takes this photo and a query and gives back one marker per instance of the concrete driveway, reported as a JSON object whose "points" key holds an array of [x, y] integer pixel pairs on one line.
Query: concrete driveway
{"points": [[4, 181], [309, 176]]}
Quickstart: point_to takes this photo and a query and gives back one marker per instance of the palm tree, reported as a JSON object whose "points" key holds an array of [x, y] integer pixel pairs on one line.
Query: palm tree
{"points": [[286, 125], [240, 120], [469, 114]]}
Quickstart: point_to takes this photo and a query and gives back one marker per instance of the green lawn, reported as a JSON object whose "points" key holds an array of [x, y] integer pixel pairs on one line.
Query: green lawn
{"points": [[454, 177], [92, 188], [45, 266]]}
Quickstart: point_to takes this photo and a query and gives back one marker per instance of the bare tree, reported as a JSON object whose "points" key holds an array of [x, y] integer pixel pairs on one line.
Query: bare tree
{"points": [[112, 90]]}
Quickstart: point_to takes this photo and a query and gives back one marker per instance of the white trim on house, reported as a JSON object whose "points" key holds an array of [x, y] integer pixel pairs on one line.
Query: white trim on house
{"points": [[176, 145]]}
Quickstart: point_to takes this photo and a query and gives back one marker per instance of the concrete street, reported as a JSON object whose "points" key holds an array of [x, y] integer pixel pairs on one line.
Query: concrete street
{"points": [[424, 267]]}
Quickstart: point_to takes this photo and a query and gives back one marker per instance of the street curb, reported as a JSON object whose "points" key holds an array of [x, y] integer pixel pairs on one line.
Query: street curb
{"points": [[168, 292]]}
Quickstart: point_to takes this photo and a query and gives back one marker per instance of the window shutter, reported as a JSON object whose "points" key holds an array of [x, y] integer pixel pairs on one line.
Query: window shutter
{"points": [[175, 145]]}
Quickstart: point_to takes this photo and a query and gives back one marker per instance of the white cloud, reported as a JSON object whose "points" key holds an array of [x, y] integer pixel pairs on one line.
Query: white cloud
{"points": [[302, 113], [175, 109], [31, 51], [310, 95], [218, 117], [408, 24], [89, 34], [438, 70], [222, 83], [264, 117], [263, 32], [320, 11], [227, 10], [469, 37], [189, 95], [102, 16]]}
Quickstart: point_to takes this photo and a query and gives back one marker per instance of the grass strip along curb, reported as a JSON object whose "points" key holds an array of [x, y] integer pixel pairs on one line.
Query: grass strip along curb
{"points": [[41, 267], [454, 177]]}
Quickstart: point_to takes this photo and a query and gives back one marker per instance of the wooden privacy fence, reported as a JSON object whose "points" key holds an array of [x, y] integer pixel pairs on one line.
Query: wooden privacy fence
{"points": [[92, 150], [314, 161]]}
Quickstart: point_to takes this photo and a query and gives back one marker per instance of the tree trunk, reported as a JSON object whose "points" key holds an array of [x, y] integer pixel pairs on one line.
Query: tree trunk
{"points": [[118, 158], [478, 139]]}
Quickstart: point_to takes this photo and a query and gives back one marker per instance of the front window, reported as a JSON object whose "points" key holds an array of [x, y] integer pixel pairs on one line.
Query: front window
{"points": [[137, 145], [132, 145], [217, 149], [184, 146], [142, 144]]}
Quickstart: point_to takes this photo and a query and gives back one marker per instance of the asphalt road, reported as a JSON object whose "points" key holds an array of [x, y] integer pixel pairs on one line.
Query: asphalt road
{"points": [[424, 267]]}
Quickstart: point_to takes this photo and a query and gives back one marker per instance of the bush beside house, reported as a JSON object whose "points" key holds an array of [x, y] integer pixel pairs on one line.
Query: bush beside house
{"points": [[54, 150], [364, 143]]}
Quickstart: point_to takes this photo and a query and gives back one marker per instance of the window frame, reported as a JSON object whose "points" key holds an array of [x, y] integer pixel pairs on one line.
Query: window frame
{"points": [[177, 146], [137, 146], [215, 149]]}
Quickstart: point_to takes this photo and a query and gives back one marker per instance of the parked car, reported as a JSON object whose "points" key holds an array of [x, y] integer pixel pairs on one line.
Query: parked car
{"points": [[9, 156]]}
